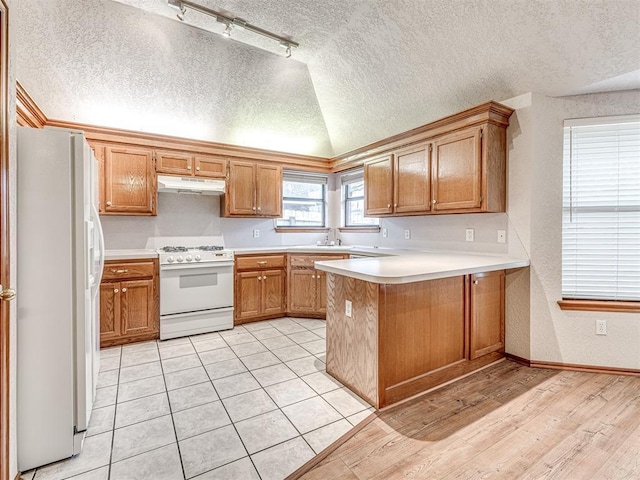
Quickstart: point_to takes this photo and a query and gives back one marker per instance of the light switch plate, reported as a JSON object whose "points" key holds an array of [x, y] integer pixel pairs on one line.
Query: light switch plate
{"points": [[348, 306]]}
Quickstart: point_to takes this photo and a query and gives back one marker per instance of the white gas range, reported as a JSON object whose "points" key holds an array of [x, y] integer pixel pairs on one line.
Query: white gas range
{"points": [[196, 290]]}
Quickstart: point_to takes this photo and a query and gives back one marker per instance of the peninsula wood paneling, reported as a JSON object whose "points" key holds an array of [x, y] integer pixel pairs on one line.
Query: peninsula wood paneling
{"points": [[354, 342]]}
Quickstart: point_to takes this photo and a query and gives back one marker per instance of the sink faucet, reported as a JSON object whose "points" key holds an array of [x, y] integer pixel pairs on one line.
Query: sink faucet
{"points": [[326, 240]]}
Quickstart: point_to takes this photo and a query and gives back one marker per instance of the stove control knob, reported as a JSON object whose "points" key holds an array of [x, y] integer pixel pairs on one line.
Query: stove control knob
{"points": [[188, 259], [170, 259], [198, 258], [180, 259]]}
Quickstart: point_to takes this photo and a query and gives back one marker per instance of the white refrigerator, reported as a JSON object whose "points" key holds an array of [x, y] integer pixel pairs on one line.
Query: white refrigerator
{"points": [[60, 253]]}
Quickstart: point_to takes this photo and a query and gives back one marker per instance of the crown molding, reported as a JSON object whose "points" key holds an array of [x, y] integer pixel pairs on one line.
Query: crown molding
{"points": [[28, 112]]}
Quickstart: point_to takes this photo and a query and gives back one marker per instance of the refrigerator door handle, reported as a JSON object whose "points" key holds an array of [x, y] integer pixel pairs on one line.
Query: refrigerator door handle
{"points": [[101, 250]]}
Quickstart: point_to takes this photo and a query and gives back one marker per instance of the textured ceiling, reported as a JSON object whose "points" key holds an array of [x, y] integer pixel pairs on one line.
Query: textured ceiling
{"points": [[366, 69]]}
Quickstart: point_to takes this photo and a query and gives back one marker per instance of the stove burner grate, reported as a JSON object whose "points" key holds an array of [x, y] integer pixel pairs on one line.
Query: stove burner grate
{"points": [[170, 249]]}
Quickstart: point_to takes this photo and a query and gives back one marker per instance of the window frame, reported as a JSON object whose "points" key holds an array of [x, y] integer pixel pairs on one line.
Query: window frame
{"points": [[588, 302], [346, 180], [309, 178]]}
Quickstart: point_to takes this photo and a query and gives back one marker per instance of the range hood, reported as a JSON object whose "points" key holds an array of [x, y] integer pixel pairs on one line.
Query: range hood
{"points": [[194, 186]]}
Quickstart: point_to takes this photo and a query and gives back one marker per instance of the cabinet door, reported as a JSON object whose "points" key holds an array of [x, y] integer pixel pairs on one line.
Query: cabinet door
{"points": [[138, 307], [269, 190], [457, 170], [174, 163], [378, 186], [272, 292], [248, 294], [110, 325], [487, 313], [302, 290], [130, 182], [412, 180], [241, 194], [210, 166]]}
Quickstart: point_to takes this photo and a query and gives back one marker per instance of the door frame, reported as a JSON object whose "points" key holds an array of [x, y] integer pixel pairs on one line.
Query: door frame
{"points": [[4, 242]]}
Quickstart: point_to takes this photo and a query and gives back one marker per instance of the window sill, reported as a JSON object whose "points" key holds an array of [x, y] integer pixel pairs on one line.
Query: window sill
{"points": [[599, 305], [302, 229], [359, 229]]}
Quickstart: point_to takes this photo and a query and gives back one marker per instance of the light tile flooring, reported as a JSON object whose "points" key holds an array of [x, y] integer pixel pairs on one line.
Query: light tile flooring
{"points": [[254, 402]]}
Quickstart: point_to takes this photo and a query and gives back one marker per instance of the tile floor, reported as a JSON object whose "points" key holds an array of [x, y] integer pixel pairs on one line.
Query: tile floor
{"points": [[254, 402]]}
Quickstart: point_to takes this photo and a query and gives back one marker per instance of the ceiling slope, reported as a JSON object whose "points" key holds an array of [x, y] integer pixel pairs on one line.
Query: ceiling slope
{"points": [[375, 67]]}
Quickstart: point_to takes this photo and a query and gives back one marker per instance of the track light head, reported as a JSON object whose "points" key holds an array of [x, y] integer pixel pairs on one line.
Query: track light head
{"points": [[287, 46], [227, 31], [181, 13]]}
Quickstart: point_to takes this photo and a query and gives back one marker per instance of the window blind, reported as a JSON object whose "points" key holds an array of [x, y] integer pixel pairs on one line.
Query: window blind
{"points": [[601, 209], [352, 176]]}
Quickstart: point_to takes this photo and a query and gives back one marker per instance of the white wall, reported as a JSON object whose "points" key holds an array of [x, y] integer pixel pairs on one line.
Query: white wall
{"points": [[535, 209]]}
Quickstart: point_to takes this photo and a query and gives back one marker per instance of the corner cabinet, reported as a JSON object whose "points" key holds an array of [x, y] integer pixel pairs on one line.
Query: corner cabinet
{"points": [[129, 302], [307, 293], [127, 180], [260, 282], [253, 190], [398, 183]]}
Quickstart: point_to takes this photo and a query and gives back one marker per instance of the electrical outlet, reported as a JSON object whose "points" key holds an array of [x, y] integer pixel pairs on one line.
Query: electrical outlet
{"points": [[407, 234], [502, 236], [348, 306], [385, 233], [601, 327], [256, 233], [469, 235]]}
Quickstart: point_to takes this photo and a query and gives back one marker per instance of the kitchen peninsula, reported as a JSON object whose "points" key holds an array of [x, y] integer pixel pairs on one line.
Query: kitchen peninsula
{"points": [[400, 325]]}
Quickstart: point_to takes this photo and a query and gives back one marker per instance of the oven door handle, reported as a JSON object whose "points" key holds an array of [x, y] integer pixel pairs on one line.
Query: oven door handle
{"points": [[193, 266]]}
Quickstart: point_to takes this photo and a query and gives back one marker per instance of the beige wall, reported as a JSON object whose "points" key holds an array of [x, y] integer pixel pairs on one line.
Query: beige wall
{"points": [[544, 332]]}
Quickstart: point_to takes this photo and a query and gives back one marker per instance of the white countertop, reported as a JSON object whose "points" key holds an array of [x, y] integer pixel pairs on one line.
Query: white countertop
{"points": [[130, 254], [413, 266]]}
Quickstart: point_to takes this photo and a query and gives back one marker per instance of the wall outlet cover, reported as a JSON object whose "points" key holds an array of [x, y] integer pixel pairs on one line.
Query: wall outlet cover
{"points": [[407, 234], [256, 233], [601, 327], [348, 308], [502, 236], [469, 235], [385, 233]]}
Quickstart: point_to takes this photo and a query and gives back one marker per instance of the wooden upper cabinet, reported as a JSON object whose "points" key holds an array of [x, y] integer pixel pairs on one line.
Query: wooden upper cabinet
{"points": [[241, 191], [210, 166], [130, 181], [253, 189], [457, 171], [378, 190], [412, 192], [487, 313], [173, 163], [98, 151], [269, 190], [398, 183]]}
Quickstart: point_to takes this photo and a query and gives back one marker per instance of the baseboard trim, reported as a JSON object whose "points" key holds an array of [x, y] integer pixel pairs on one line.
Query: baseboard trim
{"points": [[331, 448], [573, 366]]}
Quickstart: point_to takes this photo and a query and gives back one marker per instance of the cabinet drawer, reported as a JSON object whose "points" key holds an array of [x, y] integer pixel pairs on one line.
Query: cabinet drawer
{"points": [[119, 270], [308, 260], [263, 261]]}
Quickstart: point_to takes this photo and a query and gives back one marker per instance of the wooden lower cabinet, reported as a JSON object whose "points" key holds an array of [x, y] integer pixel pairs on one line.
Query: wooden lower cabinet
{"points": [[259, 287], [404, 339], [129, 302], [307, 292]]}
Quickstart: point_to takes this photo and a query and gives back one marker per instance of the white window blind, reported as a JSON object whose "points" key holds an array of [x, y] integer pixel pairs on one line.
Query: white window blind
{"points": [[601, 209]]}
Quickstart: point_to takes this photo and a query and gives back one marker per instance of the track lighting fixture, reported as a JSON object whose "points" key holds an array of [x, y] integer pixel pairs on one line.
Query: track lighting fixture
{"points": [[231, 22], [181, 13]]}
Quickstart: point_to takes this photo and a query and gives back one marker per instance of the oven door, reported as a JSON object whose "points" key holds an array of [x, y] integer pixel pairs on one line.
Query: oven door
{"points": [[195, 287]]}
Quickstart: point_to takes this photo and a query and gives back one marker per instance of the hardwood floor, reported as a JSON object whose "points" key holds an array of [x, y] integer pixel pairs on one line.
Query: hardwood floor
{"points": [[505, 422]]}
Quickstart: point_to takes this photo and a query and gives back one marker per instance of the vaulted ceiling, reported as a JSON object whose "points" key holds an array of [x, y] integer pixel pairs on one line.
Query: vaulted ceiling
{"points": [[365, 69]]}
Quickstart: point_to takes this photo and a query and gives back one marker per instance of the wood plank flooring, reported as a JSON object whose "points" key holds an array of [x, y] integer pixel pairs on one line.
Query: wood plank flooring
{"points": [[505, 422]]}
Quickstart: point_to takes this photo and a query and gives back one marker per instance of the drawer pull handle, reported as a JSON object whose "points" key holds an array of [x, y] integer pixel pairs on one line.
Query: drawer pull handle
{"points": [[115, 290], [124, 290], [264, 262], [475, 282], [119, 271], [108, 203]]}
